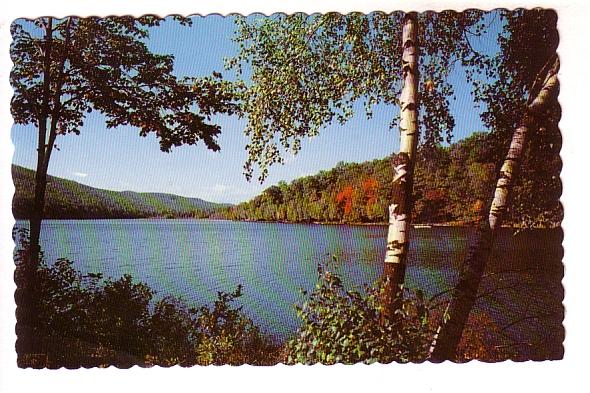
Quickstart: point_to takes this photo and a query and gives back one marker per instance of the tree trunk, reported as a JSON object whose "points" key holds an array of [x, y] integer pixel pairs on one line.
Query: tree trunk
{"points": [[45, 147], [401, 208], [41, 175], [27, 296], [465, 293]]}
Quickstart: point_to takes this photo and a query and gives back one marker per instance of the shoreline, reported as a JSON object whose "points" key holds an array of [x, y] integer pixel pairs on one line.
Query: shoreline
{"points": [[414, 226]]}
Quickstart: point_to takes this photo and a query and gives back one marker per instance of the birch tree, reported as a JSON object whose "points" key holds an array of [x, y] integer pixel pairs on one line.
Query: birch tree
{"points": [[303, 72], [527, 62], [400, 209]]}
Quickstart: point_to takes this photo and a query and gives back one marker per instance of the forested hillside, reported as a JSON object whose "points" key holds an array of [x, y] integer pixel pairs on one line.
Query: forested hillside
{"points": [[68, 199], [452, 184]]}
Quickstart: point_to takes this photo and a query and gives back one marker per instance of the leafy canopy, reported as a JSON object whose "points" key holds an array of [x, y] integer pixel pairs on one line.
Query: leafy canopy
{"points": [[528, 43], [66, 68], [306, 71]]}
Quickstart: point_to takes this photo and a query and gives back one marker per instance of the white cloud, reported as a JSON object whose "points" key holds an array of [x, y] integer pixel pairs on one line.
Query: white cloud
{"points": [[80, 174]]}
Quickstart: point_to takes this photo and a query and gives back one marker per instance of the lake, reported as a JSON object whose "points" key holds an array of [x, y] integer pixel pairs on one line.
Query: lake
{"points": [[193, 259]]}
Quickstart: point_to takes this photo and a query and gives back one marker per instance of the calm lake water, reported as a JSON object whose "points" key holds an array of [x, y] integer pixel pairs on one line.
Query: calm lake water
{"points": [[193, 259]]}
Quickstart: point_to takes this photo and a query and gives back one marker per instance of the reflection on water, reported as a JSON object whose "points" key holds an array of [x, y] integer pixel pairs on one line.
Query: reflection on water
{"points": [[194, 259]]}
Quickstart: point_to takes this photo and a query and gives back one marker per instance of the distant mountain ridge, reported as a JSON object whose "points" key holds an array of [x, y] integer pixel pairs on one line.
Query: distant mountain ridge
{"points": [[69, 199]]}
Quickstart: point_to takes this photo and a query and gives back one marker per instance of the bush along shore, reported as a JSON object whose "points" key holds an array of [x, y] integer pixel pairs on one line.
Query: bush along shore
{"points": [[87, 320]]}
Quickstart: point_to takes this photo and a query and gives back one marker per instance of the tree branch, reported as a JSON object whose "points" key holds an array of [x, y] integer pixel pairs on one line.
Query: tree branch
{"points": [[44, 112], [57, 106], [523, 319], [469, 44]]}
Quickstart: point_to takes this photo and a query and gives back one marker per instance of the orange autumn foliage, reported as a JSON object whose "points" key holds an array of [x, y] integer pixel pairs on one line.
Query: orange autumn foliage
{"points": [[370, 186], [345, 196], [478, 207]]}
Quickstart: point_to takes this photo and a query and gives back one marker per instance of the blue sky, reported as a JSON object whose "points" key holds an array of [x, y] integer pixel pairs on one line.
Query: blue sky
{"points": [[118, 159]]}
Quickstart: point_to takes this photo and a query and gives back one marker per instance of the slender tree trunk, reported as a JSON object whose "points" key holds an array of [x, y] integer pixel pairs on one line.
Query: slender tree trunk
{"points": [[45, 144], [41, 175], [27, 293], [401, 208], [465, 293]]}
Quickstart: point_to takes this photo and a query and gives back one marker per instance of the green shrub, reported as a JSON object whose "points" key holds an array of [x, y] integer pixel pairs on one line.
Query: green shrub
{"points": [[88, 320], [218, 335], [227, 336], [346, 326]]}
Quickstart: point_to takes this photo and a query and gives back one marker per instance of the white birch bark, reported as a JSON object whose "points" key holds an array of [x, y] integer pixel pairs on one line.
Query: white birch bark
{"points": [[472, 271], [397, 234], [515, 152], [401, 207]]}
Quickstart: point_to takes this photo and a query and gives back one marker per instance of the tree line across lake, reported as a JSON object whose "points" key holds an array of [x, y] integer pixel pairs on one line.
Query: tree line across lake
{"points": [[451, 184]]}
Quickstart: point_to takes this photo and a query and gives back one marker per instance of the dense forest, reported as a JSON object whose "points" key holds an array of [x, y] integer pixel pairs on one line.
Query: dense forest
{"points": [[69, 199], [452, 185]]}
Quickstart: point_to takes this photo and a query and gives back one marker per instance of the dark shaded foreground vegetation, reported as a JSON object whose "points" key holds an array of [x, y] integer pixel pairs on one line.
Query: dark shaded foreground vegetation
{"points": [[87, 320]]}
